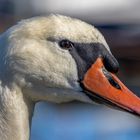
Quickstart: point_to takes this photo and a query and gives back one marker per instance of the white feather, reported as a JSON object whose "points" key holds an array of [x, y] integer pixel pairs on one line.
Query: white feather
{"points": [[33, 67]]}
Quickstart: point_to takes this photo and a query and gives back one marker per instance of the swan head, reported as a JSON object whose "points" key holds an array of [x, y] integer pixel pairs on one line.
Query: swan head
{"points": [[60, 59]]}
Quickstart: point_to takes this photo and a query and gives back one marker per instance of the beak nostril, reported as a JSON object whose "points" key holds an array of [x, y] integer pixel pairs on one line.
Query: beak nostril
{"points": [[114, 83], [111, 80]]}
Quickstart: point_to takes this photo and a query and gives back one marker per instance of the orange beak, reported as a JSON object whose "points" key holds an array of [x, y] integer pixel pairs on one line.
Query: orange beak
{"points": [[98, 81]]}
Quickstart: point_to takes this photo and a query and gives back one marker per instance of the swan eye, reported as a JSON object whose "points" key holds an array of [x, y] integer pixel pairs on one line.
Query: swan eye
{"points": [[66, 44]]}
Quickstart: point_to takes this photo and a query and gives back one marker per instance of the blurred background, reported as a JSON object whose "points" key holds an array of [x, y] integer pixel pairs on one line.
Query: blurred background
{"points": [[119, 21]]}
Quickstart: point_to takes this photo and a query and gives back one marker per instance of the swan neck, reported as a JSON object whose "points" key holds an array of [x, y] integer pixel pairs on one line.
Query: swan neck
{"points": [[15, 115]]}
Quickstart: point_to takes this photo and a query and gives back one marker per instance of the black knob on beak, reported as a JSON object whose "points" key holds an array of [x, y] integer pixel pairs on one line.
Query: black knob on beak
{"points": [[110, 63]]}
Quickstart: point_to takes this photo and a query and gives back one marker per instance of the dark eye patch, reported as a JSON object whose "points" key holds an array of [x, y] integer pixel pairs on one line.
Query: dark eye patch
{"points": [[85, 54]]}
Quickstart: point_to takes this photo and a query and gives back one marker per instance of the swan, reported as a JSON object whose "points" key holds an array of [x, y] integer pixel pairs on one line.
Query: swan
{"points": [[58, 59]]}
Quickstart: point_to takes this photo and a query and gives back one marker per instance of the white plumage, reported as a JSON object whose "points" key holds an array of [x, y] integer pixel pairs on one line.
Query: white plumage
{"points": [[33, 67]]}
